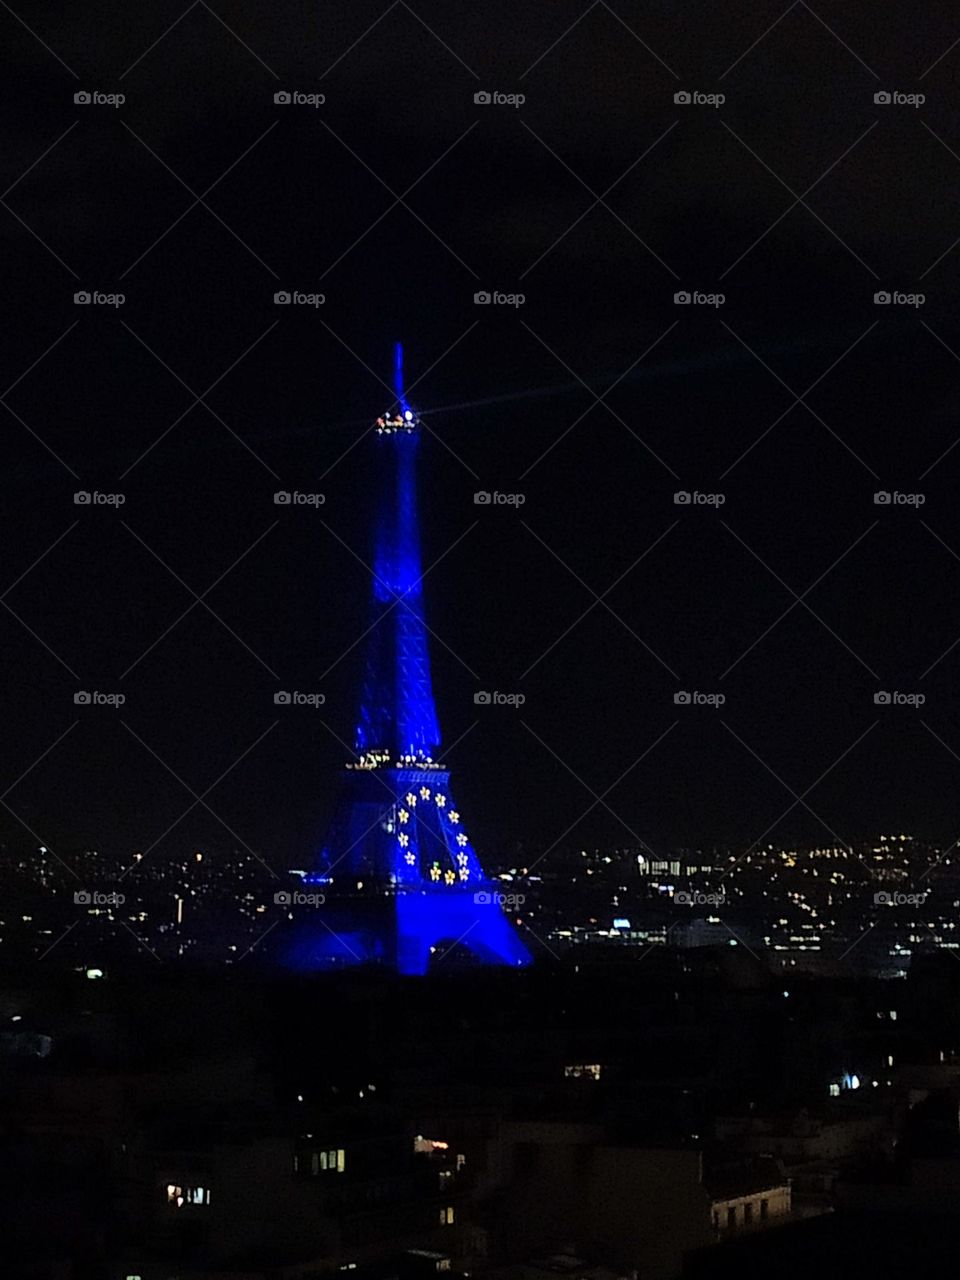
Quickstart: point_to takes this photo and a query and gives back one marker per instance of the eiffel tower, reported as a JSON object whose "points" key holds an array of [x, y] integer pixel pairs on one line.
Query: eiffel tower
{"points": [[399, 873]]}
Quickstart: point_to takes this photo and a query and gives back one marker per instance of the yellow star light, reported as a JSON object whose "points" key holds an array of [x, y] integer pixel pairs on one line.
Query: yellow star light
{"points": [[425, 792], [449, 877], [403, 815], [434, 872]]}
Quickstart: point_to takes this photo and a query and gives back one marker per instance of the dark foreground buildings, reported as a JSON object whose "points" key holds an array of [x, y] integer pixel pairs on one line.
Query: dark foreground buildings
{"points": [[633, 1119]]}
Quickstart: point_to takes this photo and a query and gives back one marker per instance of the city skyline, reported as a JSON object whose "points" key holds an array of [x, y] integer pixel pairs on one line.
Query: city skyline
{"points": [[597, 399]]}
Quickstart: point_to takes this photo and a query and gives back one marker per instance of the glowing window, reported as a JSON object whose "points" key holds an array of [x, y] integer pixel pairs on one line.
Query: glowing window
{"points": [[333, 1160], [180, 1196]]}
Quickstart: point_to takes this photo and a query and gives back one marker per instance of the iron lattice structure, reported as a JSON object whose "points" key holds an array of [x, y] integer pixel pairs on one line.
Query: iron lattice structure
{"points": [[400, 876]]}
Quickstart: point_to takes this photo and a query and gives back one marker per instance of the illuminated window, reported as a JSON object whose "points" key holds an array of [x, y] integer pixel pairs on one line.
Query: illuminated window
{"points": [[583, 1071], [461, 1161], [446, 1216], [180, 1196], [834, 1091], [333, 1160], [424, 1146]]}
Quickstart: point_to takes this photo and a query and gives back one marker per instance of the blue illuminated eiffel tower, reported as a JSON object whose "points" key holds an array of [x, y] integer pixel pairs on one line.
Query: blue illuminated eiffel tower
{"points": [[399, 873]]}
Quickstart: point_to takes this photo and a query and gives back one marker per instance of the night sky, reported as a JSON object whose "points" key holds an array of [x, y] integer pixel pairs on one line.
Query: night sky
{"points": [[400, 197]]}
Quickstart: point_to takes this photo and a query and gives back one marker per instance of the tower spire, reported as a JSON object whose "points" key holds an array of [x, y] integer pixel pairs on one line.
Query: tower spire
{"points": [[398, 719], [398, 378]]}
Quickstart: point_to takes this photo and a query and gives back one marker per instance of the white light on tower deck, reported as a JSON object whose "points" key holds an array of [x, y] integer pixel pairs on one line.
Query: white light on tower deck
{"points": [[179, 911]]}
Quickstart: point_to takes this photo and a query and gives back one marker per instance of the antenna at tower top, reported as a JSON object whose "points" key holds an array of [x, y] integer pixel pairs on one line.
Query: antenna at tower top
{"points": [[398, 375], [403, 418]]}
